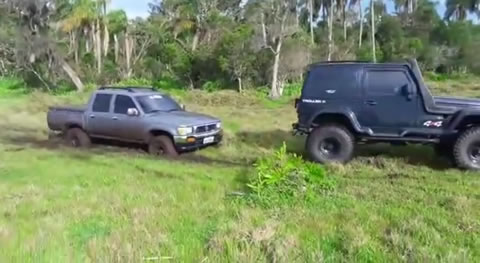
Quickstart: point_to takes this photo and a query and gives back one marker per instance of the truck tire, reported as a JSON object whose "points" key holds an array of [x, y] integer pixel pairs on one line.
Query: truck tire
{"points": [[330, 144], [77, 138], [162, 146], [466, 150]]}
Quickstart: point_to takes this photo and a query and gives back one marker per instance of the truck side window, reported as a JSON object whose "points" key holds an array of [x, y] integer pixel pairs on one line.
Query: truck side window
{"points": [[102, 103], [386, 83], [123, 103]]}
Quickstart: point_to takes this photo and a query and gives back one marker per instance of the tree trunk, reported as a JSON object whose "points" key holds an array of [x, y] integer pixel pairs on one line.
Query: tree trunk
{"points": [[73, 75], [97, 46], [75, 46], [310, 7], [275, 94], [330, 30], [196, 39], [240, 87], [372, 11], [87, 40], [106, 40], [117, 47], [128, 54], [360, 35], [344, 19], [264, 31]]}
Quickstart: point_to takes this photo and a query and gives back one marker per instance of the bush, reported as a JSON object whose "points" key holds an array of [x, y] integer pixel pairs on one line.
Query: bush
{"points": [[285, 178], [135, 82], [12, 86], [293, 89]]}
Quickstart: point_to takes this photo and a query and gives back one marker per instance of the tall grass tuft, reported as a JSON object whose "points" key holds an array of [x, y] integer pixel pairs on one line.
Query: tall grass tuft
{"points": [[286, 179]]}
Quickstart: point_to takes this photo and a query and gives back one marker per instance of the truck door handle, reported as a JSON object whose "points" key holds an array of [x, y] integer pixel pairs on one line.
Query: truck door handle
{"points": [[92, 116], [371, 102], [115, 118]]}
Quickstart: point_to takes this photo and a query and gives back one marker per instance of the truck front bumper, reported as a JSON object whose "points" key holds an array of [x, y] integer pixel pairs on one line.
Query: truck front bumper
{"points": [[194, 142]]}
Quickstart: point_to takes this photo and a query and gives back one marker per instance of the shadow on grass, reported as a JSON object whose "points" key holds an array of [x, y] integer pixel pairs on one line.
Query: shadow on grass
{"points": [[273, 140], [412, 154], [24, 142]]}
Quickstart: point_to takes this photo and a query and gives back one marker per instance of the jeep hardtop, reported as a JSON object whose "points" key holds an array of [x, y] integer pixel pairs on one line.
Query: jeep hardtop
{"points": [[344, 103]]}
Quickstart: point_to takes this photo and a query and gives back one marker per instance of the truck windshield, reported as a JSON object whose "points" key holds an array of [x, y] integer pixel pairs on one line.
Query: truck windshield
{"points": [[156, 103]]}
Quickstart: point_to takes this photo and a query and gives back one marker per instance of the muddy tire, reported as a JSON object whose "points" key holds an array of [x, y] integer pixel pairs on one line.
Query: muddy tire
{"points": [[466, 150], [162, 146], [77, 138], [331, 144]]}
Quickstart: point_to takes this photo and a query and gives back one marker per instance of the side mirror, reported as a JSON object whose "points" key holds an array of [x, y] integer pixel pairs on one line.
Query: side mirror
{"points": [[132, 112]]}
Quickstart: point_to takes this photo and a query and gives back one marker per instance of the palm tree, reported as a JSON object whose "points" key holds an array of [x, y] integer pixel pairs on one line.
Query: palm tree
{"points": [[372, 20], [360, 12], [458, 9]]}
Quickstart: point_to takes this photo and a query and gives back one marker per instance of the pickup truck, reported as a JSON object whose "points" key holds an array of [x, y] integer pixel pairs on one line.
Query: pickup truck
{"points": [[139, 115], [345, 103]]}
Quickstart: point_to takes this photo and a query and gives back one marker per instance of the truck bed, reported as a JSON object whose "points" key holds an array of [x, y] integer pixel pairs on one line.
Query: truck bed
{"points": [[58, 118]]}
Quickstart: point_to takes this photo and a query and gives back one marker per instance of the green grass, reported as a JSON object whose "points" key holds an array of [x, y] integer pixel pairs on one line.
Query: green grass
{"points": [[110, 204]]}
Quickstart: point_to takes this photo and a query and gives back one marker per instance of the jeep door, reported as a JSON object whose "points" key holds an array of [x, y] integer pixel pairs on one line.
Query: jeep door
{"points": [[390, 100]]}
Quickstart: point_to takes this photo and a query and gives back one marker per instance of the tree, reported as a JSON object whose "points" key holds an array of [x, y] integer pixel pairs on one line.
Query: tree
{"points": [[34, 43], [236, 55], [276, 22]]}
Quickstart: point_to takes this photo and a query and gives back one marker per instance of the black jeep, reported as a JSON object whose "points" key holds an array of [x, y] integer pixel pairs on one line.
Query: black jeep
{"points": [[344, 103]]}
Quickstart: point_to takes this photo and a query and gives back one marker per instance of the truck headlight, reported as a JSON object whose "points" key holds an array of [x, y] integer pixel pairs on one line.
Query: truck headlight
{"points": [[184, 131], [219, 125]]}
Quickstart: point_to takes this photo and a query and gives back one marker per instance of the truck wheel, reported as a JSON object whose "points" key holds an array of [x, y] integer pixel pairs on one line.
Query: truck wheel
{"points": [[466, 150], [77, 138], [162, 145], [330, 143]]}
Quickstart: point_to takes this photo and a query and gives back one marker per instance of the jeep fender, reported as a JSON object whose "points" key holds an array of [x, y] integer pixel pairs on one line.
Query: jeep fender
{"points": [[345, 113], [463, 119]]}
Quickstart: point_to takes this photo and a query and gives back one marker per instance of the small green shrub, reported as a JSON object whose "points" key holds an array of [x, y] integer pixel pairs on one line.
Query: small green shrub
{"points": [[135, 82], [293, 89], [212, 86], [168, 84], [12, 86], [284, 178]]}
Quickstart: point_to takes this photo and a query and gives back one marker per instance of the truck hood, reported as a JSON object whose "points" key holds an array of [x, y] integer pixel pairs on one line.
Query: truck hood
{"points": [[457, 103], [184, 118]]}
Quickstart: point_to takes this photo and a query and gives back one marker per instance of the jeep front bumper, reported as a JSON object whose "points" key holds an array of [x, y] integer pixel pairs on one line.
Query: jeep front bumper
{"points": [[197, 141]]}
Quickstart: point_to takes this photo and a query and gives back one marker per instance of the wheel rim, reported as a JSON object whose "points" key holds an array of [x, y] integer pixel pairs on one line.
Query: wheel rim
{"points": [[158, 150], [330, 147], [474, 153], [75, 142]]}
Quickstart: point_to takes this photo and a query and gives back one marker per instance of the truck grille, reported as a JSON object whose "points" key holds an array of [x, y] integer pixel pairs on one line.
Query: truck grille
{"points": [[206, 128]]}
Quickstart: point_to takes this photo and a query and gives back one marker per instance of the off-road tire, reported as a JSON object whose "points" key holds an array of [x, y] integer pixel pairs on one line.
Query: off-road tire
{"points": [[162, 146], [341, 138], [77, 138], [467, 142]]}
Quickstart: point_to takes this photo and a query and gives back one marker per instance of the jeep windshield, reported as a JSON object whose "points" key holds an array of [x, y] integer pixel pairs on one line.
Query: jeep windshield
{"points": [[158, 103]]}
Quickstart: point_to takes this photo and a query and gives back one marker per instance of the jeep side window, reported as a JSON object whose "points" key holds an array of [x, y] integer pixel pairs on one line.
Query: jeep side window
{"points": [[101, 103], [122, 104], [386, 83]]}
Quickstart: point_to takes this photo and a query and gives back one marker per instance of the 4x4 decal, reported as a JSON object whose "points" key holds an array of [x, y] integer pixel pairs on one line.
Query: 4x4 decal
{"points": [[436, 124]]}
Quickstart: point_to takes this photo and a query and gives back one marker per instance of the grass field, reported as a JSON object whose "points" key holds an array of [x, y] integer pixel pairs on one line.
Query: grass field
{"points": [[116, 204]]}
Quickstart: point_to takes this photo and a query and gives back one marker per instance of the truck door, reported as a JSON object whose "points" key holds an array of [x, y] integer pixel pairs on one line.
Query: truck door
{"points": [[127, 127], [390, 101], [99, 118]]}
